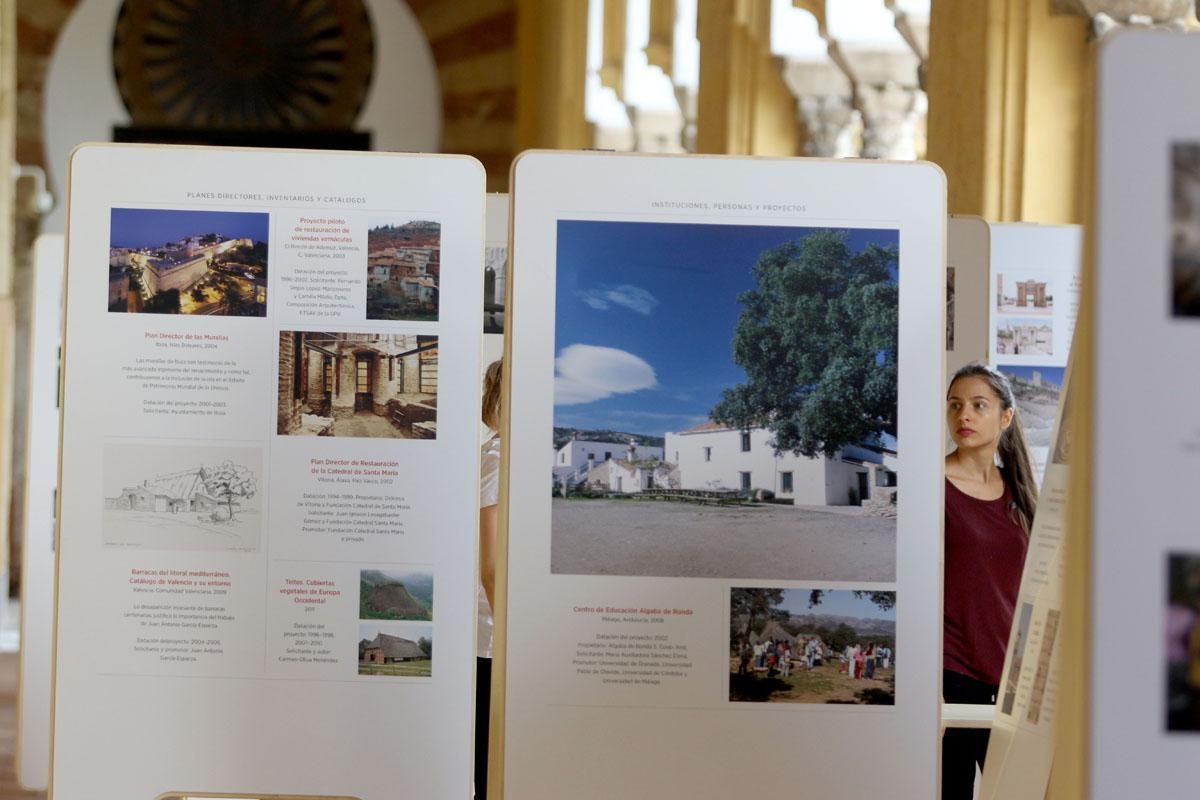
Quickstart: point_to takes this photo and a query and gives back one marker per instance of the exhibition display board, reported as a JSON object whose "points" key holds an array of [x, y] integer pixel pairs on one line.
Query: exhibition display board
{"points": [[1021, 747], [724, 354], [1144, 638], [1035, 281], [269, 474], [37, 553], [968, 259]]}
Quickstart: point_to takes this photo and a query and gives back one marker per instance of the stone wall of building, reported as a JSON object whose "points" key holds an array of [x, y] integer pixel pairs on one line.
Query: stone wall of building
{"points": [[286, 415]]}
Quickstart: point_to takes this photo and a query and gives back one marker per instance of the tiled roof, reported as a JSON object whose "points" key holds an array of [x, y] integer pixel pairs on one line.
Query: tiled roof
{"points": [[707, 426]]}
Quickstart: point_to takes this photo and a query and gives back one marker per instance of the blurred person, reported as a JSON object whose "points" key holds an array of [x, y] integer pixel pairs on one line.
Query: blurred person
{"points": [[991, 497]]}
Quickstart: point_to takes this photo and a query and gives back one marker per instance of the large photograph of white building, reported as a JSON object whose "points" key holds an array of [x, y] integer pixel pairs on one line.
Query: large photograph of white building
{"points": [[725, 401]]}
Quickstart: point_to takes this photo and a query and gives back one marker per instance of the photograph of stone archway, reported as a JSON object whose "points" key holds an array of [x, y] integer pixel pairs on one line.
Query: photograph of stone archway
{"points": [[358, 385]]}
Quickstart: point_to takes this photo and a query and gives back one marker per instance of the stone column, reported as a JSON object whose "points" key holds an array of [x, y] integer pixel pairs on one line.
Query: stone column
{"points": [[613, 36], [744, 105], [552, 69], [1008, 82]]}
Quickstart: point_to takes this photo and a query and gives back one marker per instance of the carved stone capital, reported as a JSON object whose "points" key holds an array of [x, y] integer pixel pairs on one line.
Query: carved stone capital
{"points": [[829, 121], [1107, 15], [889, 115]]}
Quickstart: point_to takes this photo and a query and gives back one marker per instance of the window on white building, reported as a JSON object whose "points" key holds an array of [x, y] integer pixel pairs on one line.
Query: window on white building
{"points": [[785, 482], [745, 441], [607, 455], [745, 481], [708, 454], [591, 456]]}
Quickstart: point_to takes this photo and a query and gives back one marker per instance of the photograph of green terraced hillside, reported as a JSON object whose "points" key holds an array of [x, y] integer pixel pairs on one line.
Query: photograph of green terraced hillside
{"points": [[406, 595]]}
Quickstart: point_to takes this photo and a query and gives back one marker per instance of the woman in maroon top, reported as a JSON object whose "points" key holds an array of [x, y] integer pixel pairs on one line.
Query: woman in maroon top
{"points": [[991, 495]]}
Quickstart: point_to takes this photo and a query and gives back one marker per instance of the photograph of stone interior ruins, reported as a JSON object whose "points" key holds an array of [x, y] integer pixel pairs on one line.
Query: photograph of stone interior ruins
{"points": [[360, 385], [1000, 94]]}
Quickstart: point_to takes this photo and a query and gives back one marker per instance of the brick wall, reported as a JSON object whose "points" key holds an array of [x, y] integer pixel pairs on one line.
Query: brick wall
{"points": [[287, 362], [473, 44]]}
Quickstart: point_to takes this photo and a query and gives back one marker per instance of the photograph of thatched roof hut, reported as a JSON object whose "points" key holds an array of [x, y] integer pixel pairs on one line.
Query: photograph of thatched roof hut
{"points": [[401, 651]]}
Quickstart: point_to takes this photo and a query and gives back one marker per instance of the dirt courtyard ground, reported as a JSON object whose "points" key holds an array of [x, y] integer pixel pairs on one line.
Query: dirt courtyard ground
{"points": [[824, 684], [678, 540]]}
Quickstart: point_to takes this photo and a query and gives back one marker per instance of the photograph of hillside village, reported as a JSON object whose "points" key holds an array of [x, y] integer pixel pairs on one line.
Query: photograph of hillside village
{"points": [[181, 497], [188, 262], [725, 401], [403, 269], [812, 646], [1037, 391], [361, 385]]}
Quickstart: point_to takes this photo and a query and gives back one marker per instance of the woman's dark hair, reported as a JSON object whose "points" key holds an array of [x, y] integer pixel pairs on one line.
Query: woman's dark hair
{"points": [[1017, 467], [491, 394]]}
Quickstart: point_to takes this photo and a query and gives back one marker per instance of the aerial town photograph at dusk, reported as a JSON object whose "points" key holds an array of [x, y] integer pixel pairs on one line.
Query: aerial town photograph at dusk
{"points": [[188, 262], [403, 269]]}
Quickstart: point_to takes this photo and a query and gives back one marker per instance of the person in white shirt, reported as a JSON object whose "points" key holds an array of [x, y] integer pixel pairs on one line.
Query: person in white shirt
{"points": [[489, 499]]}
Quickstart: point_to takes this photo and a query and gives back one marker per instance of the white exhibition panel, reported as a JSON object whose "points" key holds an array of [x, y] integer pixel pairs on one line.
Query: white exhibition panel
{"points": [[1021, 746], [968, 243], [37, 555], [1033, 304], [1143, 405], [667, 722], [216, 635]]}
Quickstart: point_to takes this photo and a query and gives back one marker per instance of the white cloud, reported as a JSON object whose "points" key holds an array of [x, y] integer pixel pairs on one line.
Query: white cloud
{"points": [[596, 302], [626, 296], [584, 372]]}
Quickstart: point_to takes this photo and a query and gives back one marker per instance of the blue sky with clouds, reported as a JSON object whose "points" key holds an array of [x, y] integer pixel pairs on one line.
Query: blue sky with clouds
{"points": [[645, 317], [154, 227], [841, 602]]}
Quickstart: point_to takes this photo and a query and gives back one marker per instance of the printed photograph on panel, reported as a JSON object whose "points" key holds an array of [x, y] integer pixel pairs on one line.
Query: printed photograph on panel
{"points": [[395, 650], [395, 594], [357, 385], [1013, 679], [1037, 391], [188, 262], [725, 401], [182, 497], [1183, 642], [949, 309], [812, 646], [1024, 293], [1185, 230], [404, 266], [495, 266], [1024, 337]]}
